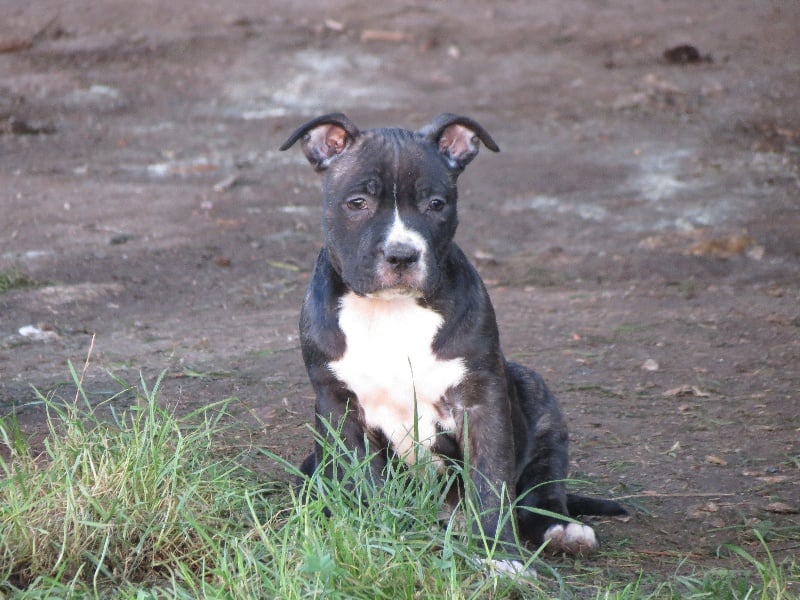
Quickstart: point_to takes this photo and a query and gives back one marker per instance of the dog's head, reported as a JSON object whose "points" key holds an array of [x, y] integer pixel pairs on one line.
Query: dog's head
{"points": [[390, 197]]}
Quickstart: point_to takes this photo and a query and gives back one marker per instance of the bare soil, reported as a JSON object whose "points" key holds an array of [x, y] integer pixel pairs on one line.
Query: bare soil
{"points": [[639, 232]]}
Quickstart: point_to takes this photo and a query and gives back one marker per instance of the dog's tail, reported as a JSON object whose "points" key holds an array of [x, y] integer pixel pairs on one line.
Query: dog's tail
{"points": [[583, 505]]}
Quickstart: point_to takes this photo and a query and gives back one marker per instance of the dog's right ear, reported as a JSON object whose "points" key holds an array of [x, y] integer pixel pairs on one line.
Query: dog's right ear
{"points": [[324, 139]]}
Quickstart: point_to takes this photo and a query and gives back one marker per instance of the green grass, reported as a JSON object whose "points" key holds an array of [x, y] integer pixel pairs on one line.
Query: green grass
{"points": [[15, 278], [142, 503]]}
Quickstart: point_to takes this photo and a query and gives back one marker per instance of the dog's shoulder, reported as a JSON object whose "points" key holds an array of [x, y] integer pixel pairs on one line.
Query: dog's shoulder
{"points": [[320, 336], [469, 325]]}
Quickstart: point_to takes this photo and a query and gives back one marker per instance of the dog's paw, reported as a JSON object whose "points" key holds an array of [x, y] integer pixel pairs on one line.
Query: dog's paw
{"points": [[573, 538], [508, 567]]}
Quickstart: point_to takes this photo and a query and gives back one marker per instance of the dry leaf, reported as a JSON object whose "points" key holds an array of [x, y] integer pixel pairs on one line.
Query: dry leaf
{"points": [[15, 44], [686, 390], [382, 35], [716, 460], [727, 247], [623, 518], [230, 182], [334, 25], [653, 82], [782, 508], [222, 261], [773, 479], [229, 222], [717, 523]]}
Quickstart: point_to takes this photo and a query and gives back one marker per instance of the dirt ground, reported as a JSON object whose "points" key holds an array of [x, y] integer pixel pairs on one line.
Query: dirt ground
{"points": [[639, 232]]}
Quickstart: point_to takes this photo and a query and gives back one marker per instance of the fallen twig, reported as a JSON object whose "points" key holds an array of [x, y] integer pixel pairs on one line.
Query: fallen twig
{"points": [[681, 495], [85, 368], [668, 553]]}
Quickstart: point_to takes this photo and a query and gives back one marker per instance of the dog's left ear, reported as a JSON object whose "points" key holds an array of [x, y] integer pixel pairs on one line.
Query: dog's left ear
{"points": [[324, 139], [458, 139]]}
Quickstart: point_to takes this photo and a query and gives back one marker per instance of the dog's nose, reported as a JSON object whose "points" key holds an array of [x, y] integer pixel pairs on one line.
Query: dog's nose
{"points": [[401, 256]]}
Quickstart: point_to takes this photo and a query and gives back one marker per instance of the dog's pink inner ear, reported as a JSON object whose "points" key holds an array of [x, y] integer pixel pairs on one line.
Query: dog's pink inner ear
{"points": [[323, 143], [459, 143]]}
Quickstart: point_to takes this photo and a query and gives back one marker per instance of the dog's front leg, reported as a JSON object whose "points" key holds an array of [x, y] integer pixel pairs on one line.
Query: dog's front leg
{"points": [[339, 427], [488, 449], [489, 467]]}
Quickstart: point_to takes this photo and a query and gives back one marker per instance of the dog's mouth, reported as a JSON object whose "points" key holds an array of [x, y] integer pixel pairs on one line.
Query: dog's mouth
{"points": [[408, 280], [395, 293], [388, 286]]}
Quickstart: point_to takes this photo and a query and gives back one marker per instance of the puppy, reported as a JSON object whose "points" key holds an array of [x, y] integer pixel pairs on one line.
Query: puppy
{"points": [[399, 336]]}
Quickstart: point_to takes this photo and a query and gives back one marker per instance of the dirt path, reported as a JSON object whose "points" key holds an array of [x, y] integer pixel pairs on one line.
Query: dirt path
{"points": [[639, 230]]}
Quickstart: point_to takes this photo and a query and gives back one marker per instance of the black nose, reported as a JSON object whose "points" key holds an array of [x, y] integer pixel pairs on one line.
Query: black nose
{"points": [[401, 256]]}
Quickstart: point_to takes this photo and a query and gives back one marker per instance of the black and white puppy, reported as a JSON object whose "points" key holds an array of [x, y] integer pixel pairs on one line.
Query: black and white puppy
{"points": [[399, 336]]}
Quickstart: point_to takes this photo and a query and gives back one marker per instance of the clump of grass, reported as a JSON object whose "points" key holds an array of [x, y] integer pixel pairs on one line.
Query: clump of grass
{"points": [[773, 583], [386, 539], [15, 278], [754, 578], [112, 501]]}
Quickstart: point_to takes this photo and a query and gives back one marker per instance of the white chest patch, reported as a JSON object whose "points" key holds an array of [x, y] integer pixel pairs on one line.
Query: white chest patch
{"points": [[389, 365]]}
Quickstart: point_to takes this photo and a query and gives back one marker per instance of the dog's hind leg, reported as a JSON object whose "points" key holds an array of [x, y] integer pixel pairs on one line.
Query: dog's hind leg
{"points": [[541, 439]]}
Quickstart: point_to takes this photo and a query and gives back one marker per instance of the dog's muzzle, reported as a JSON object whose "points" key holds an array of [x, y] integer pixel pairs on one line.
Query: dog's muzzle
{"points": [[401, 265]]}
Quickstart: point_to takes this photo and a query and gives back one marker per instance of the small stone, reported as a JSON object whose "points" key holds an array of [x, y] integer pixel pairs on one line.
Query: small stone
{"points": [[685, 54], [121, 238], [650, 365], [100, 98]]}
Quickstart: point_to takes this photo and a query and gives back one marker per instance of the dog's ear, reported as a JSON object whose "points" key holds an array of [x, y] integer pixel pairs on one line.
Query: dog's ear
{"points": [[324, 139], [457, 139]]}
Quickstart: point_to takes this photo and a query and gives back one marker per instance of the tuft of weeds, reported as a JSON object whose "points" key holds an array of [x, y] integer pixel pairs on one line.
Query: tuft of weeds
{"points": [[15, 278], [755, 578], [361, 537], [771, 578], [111, 502]]}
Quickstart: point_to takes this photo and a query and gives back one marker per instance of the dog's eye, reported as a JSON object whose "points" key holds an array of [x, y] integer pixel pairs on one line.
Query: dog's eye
{"points": [[356, 204], [436, 204]]}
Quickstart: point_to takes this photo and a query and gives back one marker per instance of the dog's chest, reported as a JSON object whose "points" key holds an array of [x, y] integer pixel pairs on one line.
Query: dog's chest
{"points": [[390, 366]]}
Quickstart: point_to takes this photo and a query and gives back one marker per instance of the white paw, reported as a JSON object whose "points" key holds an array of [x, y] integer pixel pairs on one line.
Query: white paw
{"points": [[508, 567], [574, 538]]}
